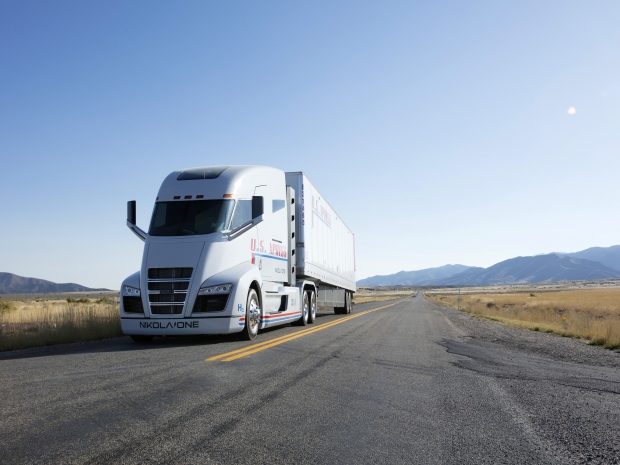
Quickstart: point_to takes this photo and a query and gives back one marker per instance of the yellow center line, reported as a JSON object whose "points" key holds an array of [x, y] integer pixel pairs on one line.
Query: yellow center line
{"points": [[239, 353]]}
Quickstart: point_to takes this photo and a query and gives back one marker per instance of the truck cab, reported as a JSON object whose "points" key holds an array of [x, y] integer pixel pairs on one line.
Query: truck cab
{"points": [[218, 256]]}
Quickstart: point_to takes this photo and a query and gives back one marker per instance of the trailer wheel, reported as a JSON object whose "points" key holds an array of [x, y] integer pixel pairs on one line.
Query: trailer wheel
{"points": [[312, 302], [348, 304], [140, 338], [252, 317], [305, 310]]}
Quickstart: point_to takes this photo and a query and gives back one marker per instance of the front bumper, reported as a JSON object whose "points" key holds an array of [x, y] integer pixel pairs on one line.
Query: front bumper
{"points": [[182, 326]]}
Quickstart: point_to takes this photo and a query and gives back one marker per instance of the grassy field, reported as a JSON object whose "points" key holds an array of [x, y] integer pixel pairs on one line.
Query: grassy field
{"points": [[592, 314], [36, 323], [364, 295]]}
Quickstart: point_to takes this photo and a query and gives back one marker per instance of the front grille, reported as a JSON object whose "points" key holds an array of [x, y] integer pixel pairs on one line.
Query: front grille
{"points": [[133, 304], [167, 309], [167, 288], [210, 303], [170, 273], [168, 298]]}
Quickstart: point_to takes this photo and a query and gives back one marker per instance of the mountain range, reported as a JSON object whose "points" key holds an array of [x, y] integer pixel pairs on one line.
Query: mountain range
{"points": [[590, 264], [609, 256], [13, 284], [411, 278]]}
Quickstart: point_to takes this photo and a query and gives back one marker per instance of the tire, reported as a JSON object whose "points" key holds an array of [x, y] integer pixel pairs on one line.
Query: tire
{"points": [[305, 309], [141, 338], [312, 303], [348, 302], [252, 317]]}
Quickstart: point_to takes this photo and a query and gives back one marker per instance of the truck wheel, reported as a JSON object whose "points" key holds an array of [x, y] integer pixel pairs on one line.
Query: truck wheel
{"points": [[312, 302], [252, 317], [140, 338], [348, 302], [305, 310]]}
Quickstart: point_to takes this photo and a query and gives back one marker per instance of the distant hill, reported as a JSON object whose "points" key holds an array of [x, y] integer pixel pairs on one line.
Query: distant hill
{"points": [[522, 270], [13, 284], [412, 278], [609, 256]]}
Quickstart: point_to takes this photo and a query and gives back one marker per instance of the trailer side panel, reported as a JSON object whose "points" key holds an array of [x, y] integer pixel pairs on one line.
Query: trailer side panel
{"points": [[325, 246]]}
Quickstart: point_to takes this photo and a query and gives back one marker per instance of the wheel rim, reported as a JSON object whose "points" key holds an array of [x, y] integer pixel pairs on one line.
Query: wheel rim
{"points": [[253, 314], [305, 310]]}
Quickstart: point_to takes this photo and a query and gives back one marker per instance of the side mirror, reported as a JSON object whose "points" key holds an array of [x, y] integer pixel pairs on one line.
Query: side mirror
{"points": [[131, 211], [131, 220], [258, 206]]}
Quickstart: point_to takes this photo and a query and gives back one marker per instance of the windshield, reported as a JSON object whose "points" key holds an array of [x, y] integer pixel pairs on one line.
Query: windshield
{"points": [[187, 218]]}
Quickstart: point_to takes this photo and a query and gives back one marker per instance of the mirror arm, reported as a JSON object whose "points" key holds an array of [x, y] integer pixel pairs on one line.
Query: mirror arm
{"points": [[137, 231]]}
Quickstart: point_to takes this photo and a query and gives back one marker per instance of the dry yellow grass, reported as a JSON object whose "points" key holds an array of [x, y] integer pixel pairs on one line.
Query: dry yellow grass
{"points": [[365, 296], [36, 324], [593, 314]]}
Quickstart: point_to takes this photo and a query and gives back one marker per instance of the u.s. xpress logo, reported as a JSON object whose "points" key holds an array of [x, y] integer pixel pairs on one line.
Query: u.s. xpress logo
{"points": [[168, 324]]}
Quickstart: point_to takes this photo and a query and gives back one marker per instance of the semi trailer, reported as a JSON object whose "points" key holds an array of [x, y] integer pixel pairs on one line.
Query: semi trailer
{"points": [[235, 249]]}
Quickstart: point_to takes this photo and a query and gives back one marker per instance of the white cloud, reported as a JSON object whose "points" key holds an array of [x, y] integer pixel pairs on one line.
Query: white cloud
{"points": [[571, 111]]}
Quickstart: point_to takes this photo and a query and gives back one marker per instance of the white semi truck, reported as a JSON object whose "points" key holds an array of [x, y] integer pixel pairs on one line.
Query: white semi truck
{"points": [[235, 249]]}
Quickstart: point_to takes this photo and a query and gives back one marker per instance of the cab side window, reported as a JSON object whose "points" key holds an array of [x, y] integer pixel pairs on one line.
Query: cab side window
{"points": [[243, 213], [277, 205]]}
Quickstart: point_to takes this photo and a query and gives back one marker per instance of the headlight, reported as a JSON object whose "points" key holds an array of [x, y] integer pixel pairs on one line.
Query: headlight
{"points": [[131, 290], [219, 289]]}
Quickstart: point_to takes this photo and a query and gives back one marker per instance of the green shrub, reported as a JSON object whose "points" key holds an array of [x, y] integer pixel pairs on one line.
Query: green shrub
{"points": [[6, 306]]}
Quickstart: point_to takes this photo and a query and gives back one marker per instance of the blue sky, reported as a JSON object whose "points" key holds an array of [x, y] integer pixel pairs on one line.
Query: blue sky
{"points": [[439, 131]]}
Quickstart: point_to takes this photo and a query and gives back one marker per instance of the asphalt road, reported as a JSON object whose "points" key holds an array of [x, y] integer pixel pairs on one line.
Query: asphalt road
{"points": [[409, 383]]}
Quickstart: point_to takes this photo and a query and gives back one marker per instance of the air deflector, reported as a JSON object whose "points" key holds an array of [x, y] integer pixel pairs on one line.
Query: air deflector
{"points": [[210, 172]]}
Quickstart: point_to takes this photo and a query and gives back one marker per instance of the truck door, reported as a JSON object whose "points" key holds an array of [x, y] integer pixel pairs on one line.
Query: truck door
{"points": [[262, 234], [272, 250]]}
